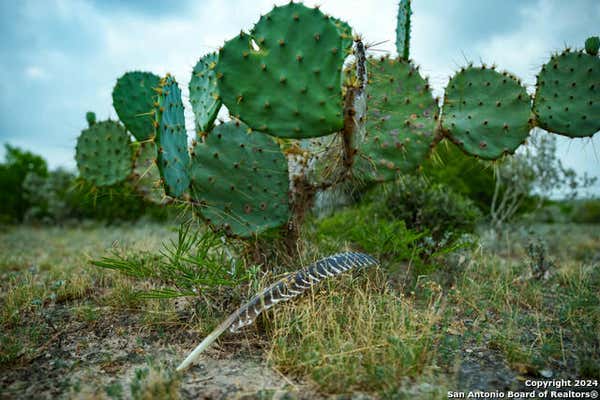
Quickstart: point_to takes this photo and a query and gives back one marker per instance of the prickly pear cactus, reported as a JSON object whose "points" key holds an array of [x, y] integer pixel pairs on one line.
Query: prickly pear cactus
{"points": [[171, 138], [133, 100], [103, 153], [240, 180], [90, 117], [204, 92], [403, 29], [567, 97], [485, 112], [401, 119], [146, 177], [284, 77]]}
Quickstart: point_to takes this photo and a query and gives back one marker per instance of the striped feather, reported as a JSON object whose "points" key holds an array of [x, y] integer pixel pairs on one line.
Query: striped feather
{"points": [[288, 287]]}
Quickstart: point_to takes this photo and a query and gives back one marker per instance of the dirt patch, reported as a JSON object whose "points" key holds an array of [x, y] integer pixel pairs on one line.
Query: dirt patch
{"points": [[102, 359]]}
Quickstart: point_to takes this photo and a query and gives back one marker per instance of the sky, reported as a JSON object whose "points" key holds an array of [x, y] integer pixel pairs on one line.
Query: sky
{"points": [[61, 58]]}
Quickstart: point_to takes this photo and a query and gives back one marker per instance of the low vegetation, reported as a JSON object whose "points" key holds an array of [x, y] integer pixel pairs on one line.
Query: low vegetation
{"points": [[396, 330]]}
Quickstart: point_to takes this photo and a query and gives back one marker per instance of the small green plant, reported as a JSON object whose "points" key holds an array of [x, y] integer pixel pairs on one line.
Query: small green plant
{"points": [[155, 382], [195, 264], [540, 264]]}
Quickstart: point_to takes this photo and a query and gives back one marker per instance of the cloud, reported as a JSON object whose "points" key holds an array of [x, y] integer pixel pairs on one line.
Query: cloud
{"points": [[33, 72], [63, 57]]}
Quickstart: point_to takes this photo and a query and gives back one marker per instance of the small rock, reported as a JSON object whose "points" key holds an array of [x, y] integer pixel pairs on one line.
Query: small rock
{"points": [[546, 373]]}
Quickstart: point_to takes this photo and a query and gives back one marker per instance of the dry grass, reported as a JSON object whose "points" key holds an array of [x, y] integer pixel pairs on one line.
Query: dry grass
{"points": [[361, 332]]}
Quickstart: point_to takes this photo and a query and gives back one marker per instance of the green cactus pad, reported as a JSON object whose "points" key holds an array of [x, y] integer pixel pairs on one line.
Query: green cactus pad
{"points": [[103, 153], [204, 92], [133, 99], [171, 138], [567, 97], [485, 112], [401, 119], [146, 177], [403, 29], [592, 44], [290, 86], [90, 117], [345, 31], [240, 180]]}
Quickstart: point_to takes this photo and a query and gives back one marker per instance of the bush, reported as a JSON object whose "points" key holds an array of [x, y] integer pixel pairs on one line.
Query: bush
{"points": [[18, 163], [587, 212], [435, 209], [468, 176], [31, 193], [60, 196], [369, 229], [406, 220]]}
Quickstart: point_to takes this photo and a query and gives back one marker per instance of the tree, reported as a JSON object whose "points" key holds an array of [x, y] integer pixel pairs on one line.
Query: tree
{"points": [[533, 173], [18, 163]]}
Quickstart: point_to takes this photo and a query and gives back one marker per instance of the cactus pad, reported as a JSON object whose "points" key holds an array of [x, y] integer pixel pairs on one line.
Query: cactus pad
{"points": [[171, 138], [401, 119], [284, 78], [90, 117], [146, 177], [403, 29], [485, 112], [592, 44], [103, 153], [240, 180], [133, 99], [204, 92], [345, 32], [567, 97]]}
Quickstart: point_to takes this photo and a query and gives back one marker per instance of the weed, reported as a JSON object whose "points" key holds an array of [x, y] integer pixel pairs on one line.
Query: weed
{"points": [[195, 263]]}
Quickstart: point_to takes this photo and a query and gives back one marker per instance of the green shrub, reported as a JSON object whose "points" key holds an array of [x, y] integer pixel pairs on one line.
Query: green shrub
{"points": [[468, 176], [588, 212], [435, 209], [369, 229], [59, 196], [17, 164]]}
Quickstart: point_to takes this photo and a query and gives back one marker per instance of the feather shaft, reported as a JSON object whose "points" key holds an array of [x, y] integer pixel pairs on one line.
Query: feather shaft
{"points": [[288, 287]]}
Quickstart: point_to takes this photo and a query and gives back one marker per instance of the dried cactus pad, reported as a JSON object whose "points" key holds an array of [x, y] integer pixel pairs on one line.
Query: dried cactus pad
{"points": [[133, 99], [204, 92], [401, 119], [284, 78], [486, 113], [567, 97], [103, 153], [240, 180], [171, 138], [146, 176]]}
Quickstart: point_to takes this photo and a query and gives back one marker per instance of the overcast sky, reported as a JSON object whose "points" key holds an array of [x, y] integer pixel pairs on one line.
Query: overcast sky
{"points": [[61, 58]]}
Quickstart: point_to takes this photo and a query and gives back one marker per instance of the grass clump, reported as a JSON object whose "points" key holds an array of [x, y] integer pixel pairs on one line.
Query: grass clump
{"points": [[358, 334]]}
